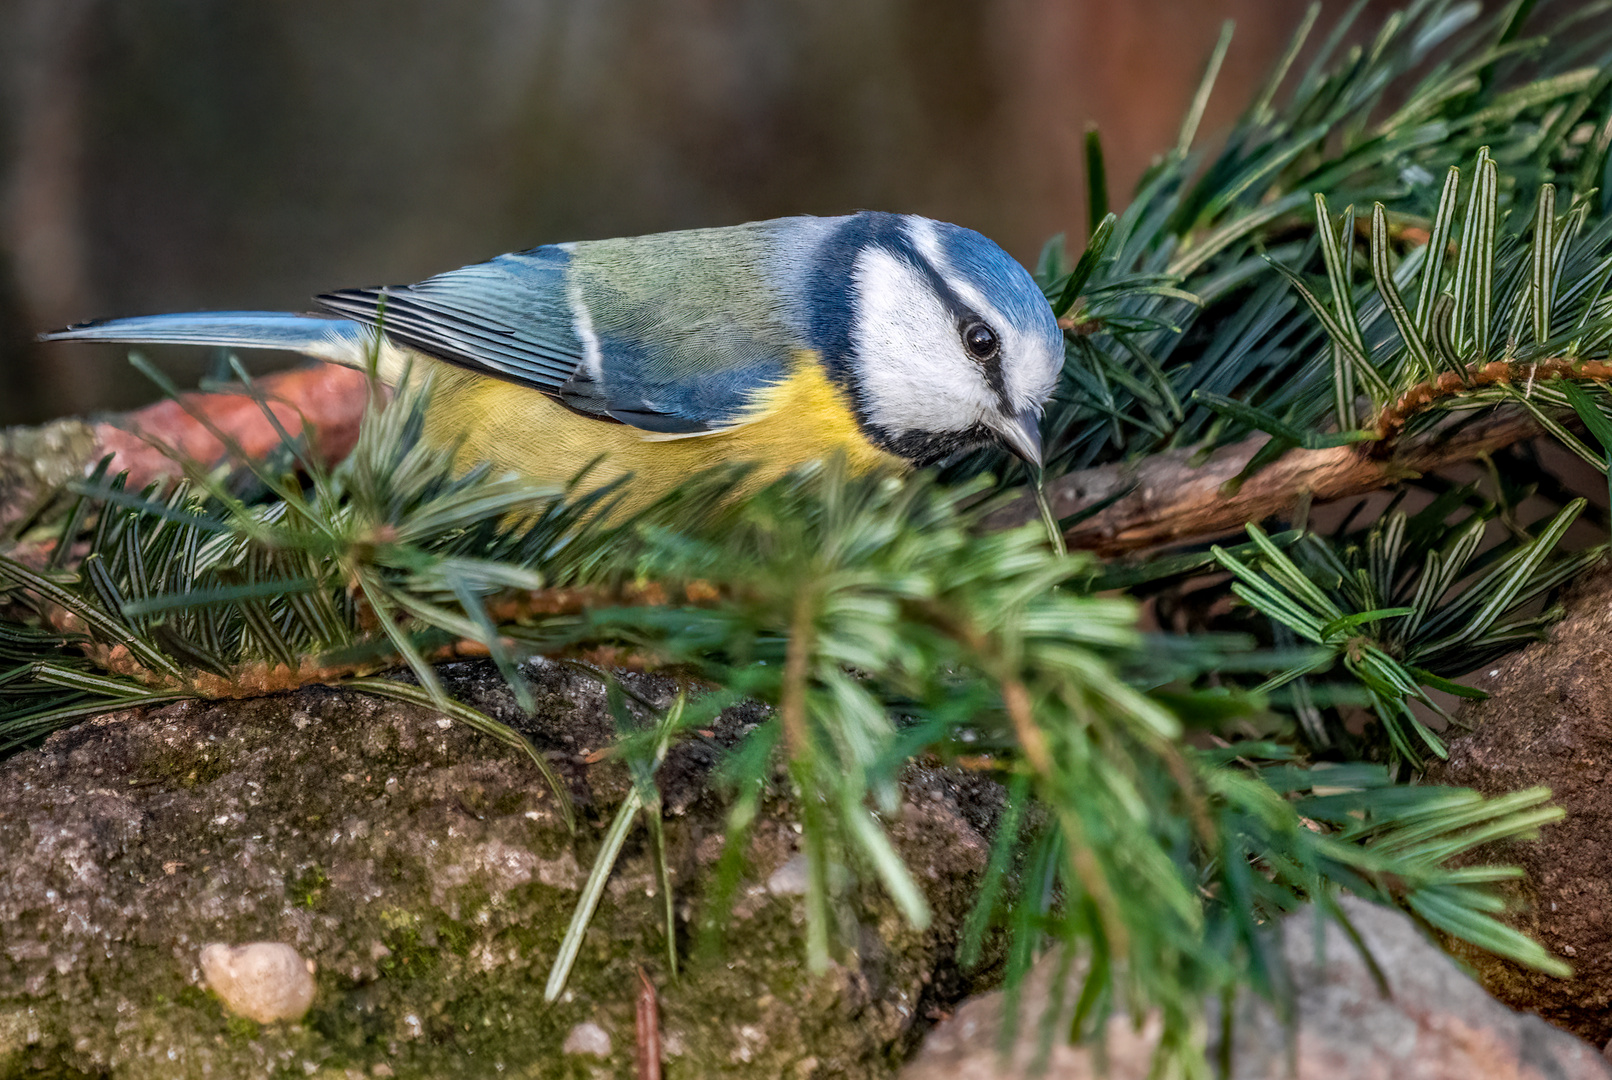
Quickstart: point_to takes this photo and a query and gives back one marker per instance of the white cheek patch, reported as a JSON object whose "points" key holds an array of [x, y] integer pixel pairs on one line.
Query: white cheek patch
{"points": [[1029, 372], [914, 374]]}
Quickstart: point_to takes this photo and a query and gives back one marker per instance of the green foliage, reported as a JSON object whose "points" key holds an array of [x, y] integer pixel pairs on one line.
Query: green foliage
{"points": [[883, 623], [1510, 316], [644, 798], [390, 554], [1168, 795], [1408, 605], [1180, 311]]}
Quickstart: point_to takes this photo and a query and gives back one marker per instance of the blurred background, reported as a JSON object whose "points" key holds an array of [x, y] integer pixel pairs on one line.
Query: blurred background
{"points": [[184, 154]]}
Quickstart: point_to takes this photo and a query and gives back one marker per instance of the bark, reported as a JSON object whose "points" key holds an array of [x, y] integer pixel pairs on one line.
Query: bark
{"points": [[325, 400], [1162, 499], [1166, 498]]}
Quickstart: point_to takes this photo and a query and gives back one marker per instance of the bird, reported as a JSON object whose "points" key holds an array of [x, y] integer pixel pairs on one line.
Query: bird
{"points": [[893, 340]]}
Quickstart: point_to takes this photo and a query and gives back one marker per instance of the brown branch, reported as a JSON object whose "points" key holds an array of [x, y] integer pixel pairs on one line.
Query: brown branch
{"points": [[1162, 499], [1166, 498], [35, 461], [1032, 740], [648, 1029], [1498, 373], [259, 677]]}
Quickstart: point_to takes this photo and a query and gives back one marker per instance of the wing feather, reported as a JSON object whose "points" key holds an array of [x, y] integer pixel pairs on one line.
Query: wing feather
{"points": [[672, 334], [507, 318]]}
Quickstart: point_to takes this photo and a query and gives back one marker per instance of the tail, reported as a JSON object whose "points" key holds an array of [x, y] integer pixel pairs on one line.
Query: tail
{"points": [[338, 340]]}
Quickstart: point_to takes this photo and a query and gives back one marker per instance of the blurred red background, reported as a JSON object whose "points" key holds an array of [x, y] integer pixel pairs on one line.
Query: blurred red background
{"points": [[181, 154]]}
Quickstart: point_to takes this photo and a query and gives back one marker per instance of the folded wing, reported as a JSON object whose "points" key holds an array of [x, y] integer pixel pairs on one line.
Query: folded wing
{"points": [[619, 336]]}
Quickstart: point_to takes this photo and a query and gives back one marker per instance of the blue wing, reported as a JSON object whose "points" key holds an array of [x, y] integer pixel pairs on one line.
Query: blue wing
{"points": [[507, 317], [670, 333], [674, 332]]}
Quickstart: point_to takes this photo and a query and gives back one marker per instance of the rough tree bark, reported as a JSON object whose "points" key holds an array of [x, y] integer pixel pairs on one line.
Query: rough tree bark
{"points": [[1166, 498], [325, 400], [1162, 499]]}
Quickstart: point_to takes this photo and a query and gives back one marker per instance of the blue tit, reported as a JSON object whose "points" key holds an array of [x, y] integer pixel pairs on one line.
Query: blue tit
{"points": [[891, 339]]}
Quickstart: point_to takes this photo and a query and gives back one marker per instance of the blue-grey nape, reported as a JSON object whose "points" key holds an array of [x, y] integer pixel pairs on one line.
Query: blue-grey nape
{"points": [[831, 289]]}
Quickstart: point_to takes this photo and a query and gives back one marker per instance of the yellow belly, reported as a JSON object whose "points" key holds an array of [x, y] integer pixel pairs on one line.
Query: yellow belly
{"points": [[801, 419]]}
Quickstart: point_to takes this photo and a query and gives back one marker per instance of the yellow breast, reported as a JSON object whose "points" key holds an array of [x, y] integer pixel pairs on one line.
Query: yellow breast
{"points": [[803, 418]]}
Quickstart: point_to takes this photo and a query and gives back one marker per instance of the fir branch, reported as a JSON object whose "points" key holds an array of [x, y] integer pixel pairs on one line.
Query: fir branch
{"points": [[1174, 496], [884, 619]]}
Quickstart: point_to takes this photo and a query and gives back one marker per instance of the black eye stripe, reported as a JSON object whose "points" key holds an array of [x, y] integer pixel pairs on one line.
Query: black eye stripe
{"points": [[834, 298], [982, 345]]}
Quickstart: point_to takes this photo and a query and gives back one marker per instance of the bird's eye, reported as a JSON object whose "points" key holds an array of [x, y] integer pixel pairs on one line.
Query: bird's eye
{"points": [[980, 341]]}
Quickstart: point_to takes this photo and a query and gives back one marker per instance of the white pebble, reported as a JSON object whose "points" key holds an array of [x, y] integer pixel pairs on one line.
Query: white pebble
{"points": [[264, 981], [587, 1038], [789, 879]]}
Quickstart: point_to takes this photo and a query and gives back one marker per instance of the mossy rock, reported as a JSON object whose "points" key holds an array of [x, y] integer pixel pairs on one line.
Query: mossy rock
{"points": [[1548, 721], [427, 872]]}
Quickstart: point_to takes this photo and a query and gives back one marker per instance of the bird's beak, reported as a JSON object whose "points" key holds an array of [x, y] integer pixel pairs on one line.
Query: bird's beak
{"points": [[1021, 434]]}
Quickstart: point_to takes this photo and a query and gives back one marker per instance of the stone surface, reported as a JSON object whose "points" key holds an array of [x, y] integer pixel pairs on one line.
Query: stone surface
{"points": [[1438, 1024], [587, 1038], [36, 461], [426, 871], [264, 981], [1549, 721]]}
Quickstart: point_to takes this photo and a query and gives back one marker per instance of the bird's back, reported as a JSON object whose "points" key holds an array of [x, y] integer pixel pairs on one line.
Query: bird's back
{"points": [[696, 340]]}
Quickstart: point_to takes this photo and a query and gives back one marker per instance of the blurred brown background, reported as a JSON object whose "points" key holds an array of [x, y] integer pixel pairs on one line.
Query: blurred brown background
{"points": [[178, 154]]}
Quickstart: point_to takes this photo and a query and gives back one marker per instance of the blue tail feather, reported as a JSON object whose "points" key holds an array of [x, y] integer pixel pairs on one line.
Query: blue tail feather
{"points": [[328, 338]]}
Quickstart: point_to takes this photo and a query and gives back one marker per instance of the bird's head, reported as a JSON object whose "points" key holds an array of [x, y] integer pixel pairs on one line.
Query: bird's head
{"points": [[943, 341]]}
